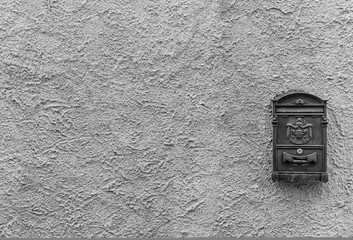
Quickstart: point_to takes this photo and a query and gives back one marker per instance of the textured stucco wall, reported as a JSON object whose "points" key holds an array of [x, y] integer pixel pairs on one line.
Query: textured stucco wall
{"points": [[153, 118]]}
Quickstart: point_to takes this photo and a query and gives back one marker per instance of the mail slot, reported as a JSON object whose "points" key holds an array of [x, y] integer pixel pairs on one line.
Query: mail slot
{"points": [[299, 138]]}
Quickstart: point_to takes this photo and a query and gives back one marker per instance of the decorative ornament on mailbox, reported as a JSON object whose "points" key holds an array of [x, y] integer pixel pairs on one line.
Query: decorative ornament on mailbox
{"points": [[299, 138]]}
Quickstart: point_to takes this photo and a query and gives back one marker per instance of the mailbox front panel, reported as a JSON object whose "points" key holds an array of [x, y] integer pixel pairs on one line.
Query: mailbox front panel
{"points": [[299, 130], [299, 138]]}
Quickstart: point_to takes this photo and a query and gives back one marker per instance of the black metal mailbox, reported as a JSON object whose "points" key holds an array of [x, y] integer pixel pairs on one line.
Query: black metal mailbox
{"points": [[299, 138]]}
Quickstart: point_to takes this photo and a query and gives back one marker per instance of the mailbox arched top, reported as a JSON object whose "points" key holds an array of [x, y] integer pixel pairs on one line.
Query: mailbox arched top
{"points": [[299, 98]]}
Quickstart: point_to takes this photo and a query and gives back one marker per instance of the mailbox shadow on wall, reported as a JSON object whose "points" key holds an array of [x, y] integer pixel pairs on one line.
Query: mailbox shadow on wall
{"points": [[299, 138]]}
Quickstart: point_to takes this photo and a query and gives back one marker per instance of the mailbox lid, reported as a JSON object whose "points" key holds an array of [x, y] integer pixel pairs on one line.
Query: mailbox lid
{"points": [[307, 109]]}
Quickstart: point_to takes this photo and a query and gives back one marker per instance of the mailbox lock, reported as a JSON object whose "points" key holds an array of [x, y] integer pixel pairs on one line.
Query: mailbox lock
{"points": [[299, 151]]}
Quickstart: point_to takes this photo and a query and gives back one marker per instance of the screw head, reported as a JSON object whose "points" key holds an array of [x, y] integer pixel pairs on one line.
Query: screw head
{"points": [[299, 151]]}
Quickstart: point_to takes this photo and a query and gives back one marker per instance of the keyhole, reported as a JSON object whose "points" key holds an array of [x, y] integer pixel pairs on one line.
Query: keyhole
{"points": [[299, 151]]}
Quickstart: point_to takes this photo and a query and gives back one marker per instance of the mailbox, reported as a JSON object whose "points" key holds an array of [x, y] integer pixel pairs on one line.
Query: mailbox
{"points": [[299, 138]]}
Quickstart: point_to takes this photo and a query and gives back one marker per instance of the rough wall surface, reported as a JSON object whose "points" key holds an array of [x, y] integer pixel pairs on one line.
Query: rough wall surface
{"points": [[153, 118]]}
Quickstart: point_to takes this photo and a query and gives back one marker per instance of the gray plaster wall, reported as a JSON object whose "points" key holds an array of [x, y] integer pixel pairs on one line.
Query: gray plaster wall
{"points": [[153, 118]]}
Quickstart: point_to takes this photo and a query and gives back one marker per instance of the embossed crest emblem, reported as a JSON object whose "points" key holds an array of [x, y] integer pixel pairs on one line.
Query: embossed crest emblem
{"points": [[299, 132]]}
